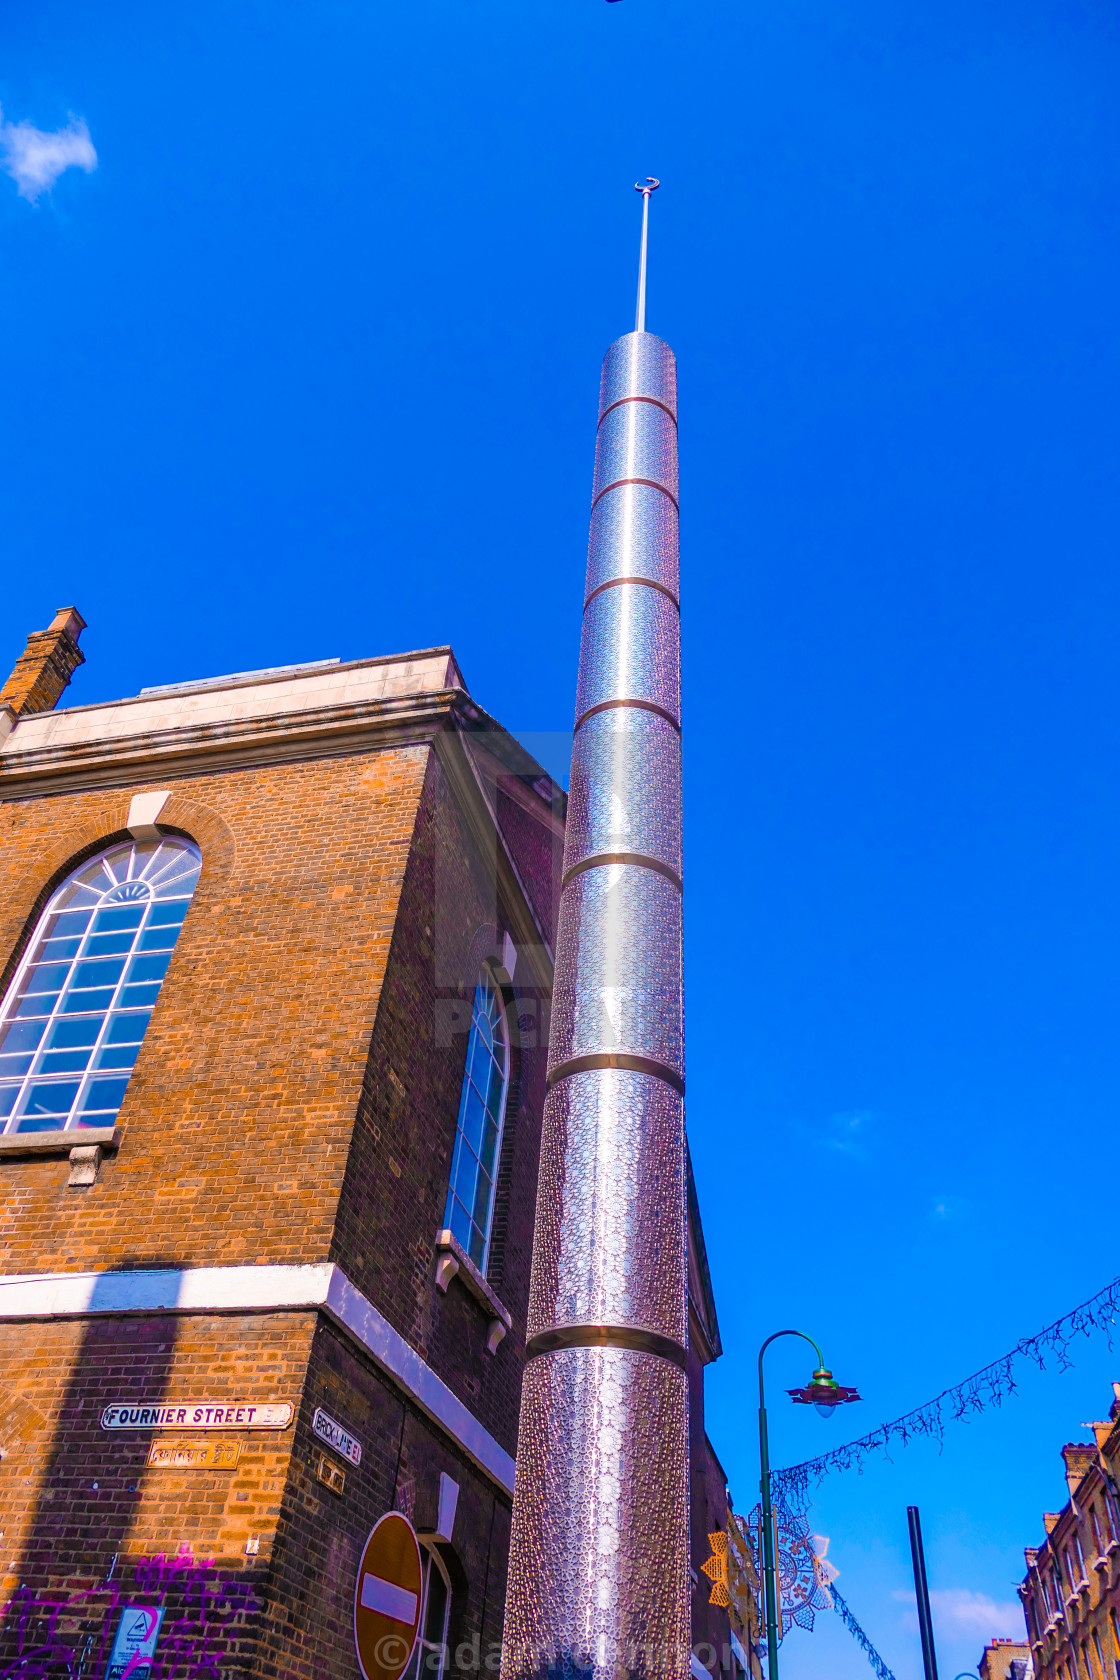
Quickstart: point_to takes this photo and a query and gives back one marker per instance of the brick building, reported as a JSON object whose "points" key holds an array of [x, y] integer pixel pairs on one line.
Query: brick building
{"points": [[276, 957], [1071, 1592], [1006, 1659]]}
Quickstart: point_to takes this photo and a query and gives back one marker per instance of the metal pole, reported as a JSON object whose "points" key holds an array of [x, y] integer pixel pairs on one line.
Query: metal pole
{"points": [[651, 186], [925, 1621], [769, 1560]]}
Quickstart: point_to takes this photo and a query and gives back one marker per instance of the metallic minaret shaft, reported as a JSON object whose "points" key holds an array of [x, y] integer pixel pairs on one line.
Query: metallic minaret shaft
{"points": [[599, 1579]]}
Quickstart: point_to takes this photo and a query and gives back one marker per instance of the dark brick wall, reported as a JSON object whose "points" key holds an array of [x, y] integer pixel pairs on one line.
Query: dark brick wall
{"points": [[708, 1513], [537, 850], [321, 1534], [393, 1200]]}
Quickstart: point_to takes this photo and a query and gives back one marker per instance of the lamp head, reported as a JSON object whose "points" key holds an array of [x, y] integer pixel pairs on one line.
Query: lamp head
{"points": [[823, 1392]]}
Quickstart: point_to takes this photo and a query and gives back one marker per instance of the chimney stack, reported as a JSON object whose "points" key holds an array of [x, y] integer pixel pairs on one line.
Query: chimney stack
{"points": [[44, 668]]}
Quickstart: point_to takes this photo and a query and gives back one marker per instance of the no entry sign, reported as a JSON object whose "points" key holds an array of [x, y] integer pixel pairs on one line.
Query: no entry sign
{"points": [[387, 1599]]}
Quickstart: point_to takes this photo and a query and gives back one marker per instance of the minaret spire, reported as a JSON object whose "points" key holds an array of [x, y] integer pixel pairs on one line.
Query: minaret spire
{"points": [[651, 186], [598, 1571]]}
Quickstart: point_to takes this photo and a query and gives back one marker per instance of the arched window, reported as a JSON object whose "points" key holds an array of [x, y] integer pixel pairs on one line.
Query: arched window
{"points": [[75, 1014], [428, 1659], [482, 1111]]}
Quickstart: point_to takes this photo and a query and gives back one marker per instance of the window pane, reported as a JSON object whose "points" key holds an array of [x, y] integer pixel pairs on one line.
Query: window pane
{"points": [[69, 1033], [117, 1055], [103, 971], [107, 944], [104, 1093], [64, 1061], [13, 1065], [437, 1607], [54, 949], [47, 977], [489, 1147], [8, 1095], [466, 1178], [147, 968], [472, 1120], [482, 1201], [460, 1223], [58, 1097], [496, 1092], [36, 1006], [169, 914], [128, 1029], [69, 923], [80, 1003], [22, 1035], [158, 938]]}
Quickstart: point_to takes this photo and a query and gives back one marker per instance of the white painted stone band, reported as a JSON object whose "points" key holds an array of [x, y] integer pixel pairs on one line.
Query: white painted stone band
{"points": [[232, 1289]]}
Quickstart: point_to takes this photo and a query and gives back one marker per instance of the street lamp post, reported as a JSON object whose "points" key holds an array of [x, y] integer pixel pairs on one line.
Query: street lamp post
{"points": [[823, 1392]]}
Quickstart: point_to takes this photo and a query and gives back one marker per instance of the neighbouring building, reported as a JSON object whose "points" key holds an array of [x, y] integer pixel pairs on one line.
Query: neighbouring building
{"points": [[1006, 1659], [1071, 1592], [276, 955]]}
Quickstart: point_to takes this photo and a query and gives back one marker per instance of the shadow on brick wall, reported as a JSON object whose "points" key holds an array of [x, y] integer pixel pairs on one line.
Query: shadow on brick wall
{"points": [[80, 1574]]}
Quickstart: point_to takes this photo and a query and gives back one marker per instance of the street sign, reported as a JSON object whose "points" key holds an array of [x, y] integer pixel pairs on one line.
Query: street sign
{"points": [[194, 1455], [204, 1414], [387, 1597], [323, 1425]]}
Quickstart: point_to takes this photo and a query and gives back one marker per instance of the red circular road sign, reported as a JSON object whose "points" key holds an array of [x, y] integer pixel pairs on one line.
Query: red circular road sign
{"points": [[387, 1599]]}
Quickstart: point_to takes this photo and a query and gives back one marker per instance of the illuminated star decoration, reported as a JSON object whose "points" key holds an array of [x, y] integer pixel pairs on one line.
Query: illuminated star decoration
{"points": [[715, 1568], [804, 1576]]}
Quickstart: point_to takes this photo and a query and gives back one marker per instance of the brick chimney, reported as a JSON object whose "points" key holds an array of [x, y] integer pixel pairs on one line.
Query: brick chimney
{"points": [[44, 668]]}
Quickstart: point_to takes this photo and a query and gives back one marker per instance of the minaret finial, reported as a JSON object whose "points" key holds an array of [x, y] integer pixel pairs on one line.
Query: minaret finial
{"points": [[651, 186]]}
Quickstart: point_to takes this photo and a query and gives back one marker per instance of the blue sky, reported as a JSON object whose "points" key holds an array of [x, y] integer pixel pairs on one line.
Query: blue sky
{"points": [[307, 366]]}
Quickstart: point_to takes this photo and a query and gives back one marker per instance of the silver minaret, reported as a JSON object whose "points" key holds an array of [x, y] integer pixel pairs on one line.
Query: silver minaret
{"points": [[599, 1579]]}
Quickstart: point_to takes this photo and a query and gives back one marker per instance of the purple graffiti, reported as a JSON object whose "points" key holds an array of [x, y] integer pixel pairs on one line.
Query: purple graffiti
{"points": [[46, 1650], [69, 1636]]}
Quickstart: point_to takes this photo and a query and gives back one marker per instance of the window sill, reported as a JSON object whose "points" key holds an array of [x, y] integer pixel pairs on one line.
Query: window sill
{"points": [[59, 1143], [85, 1146], [454, 1260]]}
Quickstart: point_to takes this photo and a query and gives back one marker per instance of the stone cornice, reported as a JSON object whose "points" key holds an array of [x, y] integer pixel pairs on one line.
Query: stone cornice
{"points": [[195, 749]]}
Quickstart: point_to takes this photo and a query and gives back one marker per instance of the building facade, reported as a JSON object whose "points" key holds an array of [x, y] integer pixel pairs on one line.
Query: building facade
{"points": [[1006, 1659], [277, 966], [1071, 1591]]}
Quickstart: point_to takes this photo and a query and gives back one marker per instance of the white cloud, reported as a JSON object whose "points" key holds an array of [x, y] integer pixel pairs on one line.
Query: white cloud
{"points": [[972, 1614], [35, 159]]}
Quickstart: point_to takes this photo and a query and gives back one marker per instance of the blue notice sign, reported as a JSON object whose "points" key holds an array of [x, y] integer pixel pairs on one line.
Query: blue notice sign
{"points": [[135, 1644]]}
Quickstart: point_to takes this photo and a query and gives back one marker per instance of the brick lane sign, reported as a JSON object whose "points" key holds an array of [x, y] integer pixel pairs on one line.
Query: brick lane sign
{"points": [[387, 1599], [203, 1414], [335, 1436]]}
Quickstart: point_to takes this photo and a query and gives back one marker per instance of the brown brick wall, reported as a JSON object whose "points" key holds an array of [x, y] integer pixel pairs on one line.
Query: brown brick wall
{"points": [[238, 1117]]}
